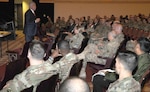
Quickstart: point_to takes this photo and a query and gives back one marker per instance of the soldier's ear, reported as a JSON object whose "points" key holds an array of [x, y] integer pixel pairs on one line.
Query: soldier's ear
{"points": [[29, 53], [59, 50]]}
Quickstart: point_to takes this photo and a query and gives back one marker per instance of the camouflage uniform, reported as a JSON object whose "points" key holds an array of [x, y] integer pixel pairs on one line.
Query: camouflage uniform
{"points": [[32, 76], [103, 30], [143, 65], [94, 38], [126, 85], [137, 25], [130, 45], [130, 23], [100, 32], [147, 27], [107, 50], [120, 38], [62, 24], [65, 64], [76, 41]]}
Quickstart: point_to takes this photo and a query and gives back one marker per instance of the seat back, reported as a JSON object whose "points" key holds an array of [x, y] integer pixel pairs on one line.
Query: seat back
{"points": [[76, 68], [2, 73], [84, 44], [47, 85], [14, 68], [145, 78], [49, 41]]}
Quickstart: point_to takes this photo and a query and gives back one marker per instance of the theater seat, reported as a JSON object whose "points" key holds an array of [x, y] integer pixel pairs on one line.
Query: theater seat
{"points": [[145, 78], [2, 73], [76, 68], [14, 68], [93, 68], [47, 85]]}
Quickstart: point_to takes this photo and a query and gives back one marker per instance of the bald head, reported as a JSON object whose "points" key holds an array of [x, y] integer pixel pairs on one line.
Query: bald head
{"points": [[74, 84], [32, 5]]}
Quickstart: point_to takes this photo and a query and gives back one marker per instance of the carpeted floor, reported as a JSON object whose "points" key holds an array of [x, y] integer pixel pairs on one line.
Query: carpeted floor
{"points": [[12, 44]]}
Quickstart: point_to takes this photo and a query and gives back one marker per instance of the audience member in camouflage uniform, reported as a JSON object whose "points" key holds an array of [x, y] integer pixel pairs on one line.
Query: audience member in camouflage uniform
{"points": [[35, 73], [100, 32], [65, 64], [104, 28], [141, 49], [90, 28], [118, 29], [40, 70], [131, 21], [75, 41], [125, 64], [91, 52]]}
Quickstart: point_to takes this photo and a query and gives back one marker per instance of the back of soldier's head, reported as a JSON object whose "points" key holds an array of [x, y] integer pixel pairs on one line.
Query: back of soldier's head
{"points": [[144, 44], [63, 45], [128, 60], [74, 84], [36, 49]]}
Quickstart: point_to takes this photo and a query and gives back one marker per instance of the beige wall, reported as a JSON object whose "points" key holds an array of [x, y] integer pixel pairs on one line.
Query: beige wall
{"points": [[92, 9], [25, 7], [79, 8]]}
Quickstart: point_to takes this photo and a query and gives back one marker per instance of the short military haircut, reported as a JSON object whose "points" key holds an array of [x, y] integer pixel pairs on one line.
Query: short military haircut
{"points": [[128, 59], [74, 84], [144, 44], [37, 49], [63, 45]]}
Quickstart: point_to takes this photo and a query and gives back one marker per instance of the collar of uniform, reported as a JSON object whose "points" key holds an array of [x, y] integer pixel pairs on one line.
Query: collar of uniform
{"points": [[69, 54], [142, 55], [35, 66], [127, 78]]}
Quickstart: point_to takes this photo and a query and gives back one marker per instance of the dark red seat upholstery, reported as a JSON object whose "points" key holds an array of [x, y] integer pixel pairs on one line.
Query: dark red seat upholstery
{"points": [[47, 85]]}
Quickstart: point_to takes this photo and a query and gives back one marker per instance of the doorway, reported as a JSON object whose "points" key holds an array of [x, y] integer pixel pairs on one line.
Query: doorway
{"points": [[18, 17]]}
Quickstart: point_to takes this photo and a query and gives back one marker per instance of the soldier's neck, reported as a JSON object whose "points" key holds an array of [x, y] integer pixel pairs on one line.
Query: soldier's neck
{"points": [[124, 74], [36, 62]]}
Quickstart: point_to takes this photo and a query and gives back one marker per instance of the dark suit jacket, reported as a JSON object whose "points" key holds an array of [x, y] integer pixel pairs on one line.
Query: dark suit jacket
{"points": [[30, 26]]}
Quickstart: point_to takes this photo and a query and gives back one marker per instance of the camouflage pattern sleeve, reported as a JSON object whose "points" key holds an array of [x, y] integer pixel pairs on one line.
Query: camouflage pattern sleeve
{"points": [[32, 76], [110, 49], [76, 40], [65, 64], [126, 85]]}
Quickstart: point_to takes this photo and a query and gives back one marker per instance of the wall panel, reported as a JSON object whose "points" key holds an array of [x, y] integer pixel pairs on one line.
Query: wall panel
{"points": [[92, 9]]}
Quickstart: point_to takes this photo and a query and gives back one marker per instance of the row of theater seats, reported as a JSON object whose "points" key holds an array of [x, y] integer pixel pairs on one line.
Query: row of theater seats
{"points": [[134, 34]]}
